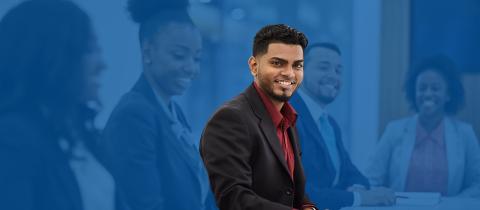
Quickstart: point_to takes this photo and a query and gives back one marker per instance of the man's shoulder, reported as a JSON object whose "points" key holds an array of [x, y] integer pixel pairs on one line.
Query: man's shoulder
{"points": [[235, 106], [239, 102]]}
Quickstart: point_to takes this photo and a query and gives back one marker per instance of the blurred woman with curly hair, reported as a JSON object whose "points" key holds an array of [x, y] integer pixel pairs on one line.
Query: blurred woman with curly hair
{"points": [[430, 151]]}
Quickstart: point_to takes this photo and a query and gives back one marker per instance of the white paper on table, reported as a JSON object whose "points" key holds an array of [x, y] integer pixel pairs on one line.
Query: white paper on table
{"points": [[417, 198]]}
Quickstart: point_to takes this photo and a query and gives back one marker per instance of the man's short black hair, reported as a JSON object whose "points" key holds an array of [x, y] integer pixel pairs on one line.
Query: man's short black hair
{"points": [[279, 33], [327, 45]]}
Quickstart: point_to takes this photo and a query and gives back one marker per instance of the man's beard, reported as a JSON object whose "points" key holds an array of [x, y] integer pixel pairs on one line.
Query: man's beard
{"points": [[282, 98], [269, 92], [319, 96]]}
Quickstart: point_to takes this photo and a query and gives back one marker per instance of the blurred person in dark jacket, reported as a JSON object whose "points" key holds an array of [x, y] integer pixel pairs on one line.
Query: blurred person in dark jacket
{"points": [[49, 68], [147, 139]]}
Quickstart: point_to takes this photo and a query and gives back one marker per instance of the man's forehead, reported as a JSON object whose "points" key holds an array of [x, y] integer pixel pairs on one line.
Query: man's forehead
{"points": [[322, 52], [284, 51]]}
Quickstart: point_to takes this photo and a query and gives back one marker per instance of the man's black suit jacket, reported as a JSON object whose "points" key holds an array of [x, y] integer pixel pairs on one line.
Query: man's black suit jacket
{"points": [[245, 160]]}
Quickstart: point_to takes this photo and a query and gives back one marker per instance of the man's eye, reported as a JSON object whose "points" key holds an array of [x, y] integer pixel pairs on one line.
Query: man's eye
{"points": [[179, 55], [276, 63], [324, 68], [298, 66]]}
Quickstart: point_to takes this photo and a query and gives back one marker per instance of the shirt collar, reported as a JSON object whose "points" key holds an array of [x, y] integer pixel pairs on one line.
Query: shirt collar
{"points": [[169, 108], [436, 135], [181, 130], [287, 110], [313, 107]]}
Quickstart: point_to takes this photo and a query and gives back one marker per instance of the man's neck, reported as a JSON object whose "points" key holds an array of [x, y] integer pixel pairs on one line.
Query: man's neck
{"points": [[278, 104], [319, 102]]}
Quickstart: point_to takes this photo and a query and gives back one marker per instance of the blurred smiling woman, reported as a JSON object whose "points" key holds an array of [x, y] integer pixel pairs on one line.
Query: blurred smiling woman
{"points": [[430, 151], [147, 139], [49, 68]]}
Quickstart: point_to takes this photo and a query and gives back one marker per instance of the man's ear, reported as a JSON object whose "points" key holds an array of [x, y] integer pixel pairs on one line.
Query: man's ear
{"points": [[253, 65]]}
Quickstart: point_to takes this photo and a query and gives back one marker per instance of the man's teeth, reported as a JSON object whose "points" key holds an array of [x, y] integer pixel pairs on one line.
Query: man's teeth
{"points": [[284, 82]]}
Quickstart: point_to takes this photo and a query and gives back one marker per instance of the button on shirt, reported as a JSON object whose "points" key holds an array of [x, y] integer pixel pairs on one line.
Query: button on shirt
{"points": [[283, 119]]}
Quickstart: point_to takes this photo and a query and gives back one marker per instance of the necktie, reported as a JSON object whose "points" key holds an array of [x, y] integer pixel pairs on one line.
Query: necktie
{"points": [[328, 136]]}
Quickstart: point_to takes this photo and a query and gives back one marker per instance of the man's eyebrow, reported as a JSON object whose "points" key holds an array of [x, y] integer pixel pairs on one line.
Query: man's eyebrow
{"points": [[329, 63], [284, 60], [277, 58]]}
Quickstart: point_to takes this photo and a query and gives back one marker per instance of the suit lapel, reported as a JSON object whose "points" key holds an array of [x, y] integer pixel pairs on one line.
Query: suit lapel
{"points": [[266, 124], [299, 176], [60, 170], [454, 153], [272, 139], [176, 143], [408, 144], [65, 177]]}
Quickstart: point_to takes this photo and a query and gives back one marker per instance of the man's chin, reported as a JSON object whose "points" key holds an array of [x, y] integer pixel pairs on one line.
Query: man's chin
{"points": [[327, 99], [282, 98], [279, 95]]}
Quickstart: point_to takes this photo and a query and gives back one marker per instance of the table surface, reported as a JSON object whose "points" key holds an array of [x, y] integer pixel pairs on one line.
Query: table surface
{"points": [[445, 204]]}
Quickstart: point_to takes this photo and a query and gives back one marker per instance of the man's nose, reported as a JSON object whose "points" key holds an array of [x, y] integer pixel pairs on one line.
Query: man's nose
{"points": [[288, 71]]}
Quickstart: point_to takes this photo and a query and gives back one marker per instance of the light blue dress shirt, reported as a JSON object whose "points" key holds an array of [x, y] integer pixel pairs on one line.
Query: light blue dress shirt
{"points": [[321, 119]]}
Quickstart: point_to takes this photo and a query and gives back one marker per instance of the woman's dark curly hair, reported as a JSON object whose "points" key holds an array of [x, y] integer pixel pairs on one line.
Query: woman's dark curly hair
{"points": [[445, 67]]}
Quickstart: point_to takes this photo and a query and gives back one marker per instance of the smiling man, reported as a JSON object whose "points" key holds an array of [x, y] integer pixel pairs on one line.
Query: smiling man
{"points": [[250, 145], [333, 180]]}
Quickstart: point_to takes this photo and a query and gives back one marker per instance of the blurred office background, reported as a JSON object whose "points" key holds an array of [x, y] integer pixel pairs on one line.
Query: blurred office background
{"points": [[380, 41]]}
